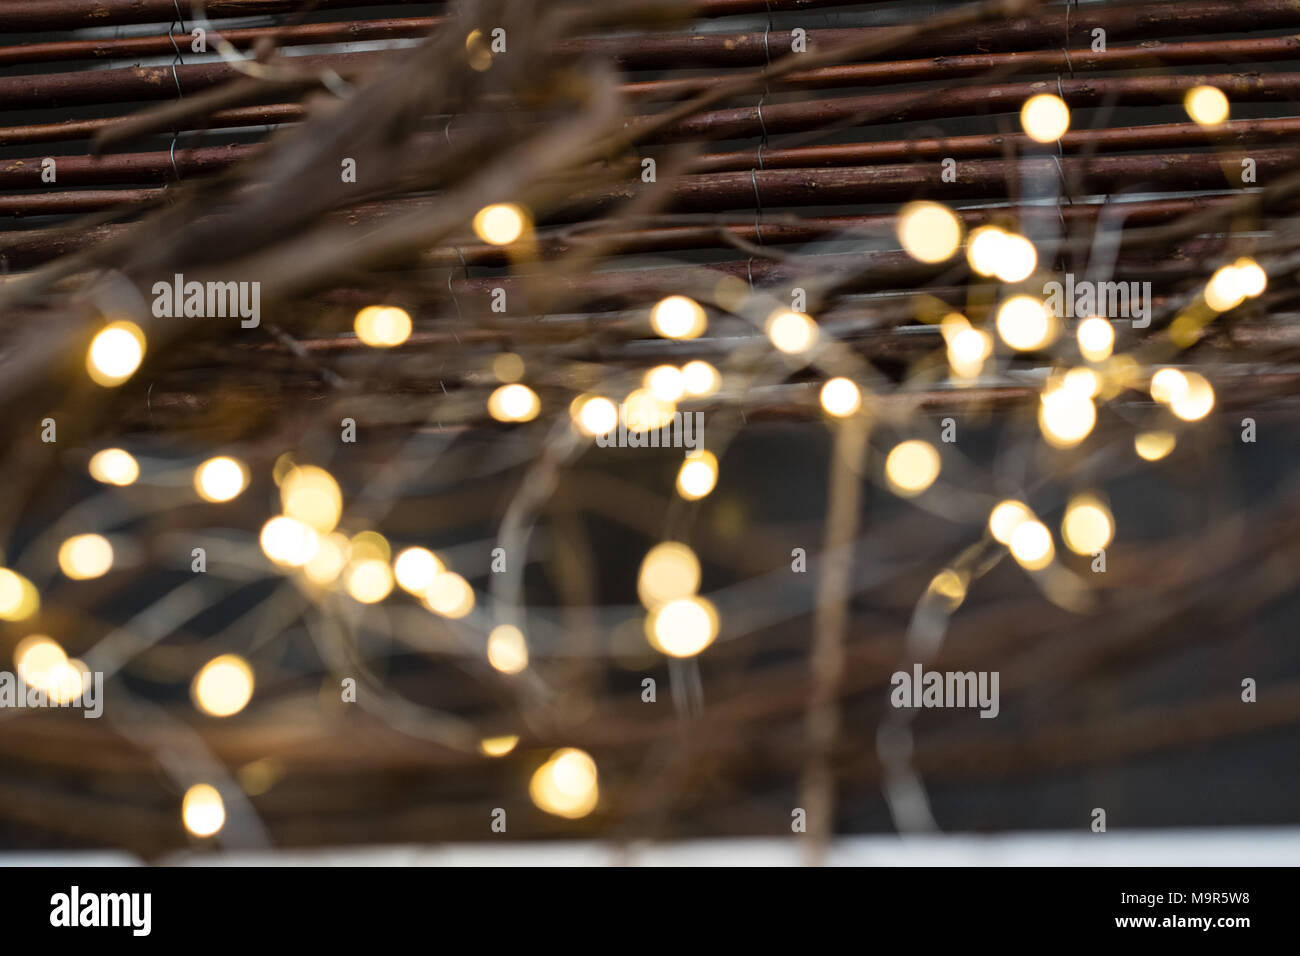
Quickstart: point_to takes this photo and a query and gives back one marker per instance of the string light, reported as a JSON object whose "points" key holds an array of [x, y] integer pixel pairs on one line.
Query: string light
{"points": [[665, 382], [678, 317], [311, 495], [1016, 258], [670, 570], [220, 479], [1155, 445], [1206, 105], [984, 251], [223, 686], [202, 810], [332, 555], [1066, 416], [415, 569], [700, 378], [500, 224], [1096, 339], [593, 415], [507, 651], [508, 367], [1025, 323], [115, 353], [566, 785], [38, 659], [792, 332], [382, 326], [368, 581], [498, 746], [929, 231], [85, 556], [514, 403], [1087, 526], [683, 627], [1005, 517], [289, 542], [1195, 401], [19, 598], [911, 467], [697, 476], [449, 595], [1031, 545], [645, 411], [1045, 117], [114, 466], [840, 397], [1168, 384]]}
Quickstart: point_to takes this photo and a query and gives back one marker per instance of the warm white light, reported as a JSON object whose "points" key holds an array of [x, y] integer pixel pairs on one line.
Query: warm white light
{"points": [[1016, 260], [498, 746], [1088, 525], [382, 326], [115, 353], [415, 569], [1045, 117], [984, 251], [202, 810], [1167, 385], [500, 224], [514, 403], [38, 659], [1005, 517], [220, 479], [331, 557], [912, 467], [1196, 401], [369, 581], [697, 476], [1206, 105], [113, 466], [507, 651], [684, 627], [670, 570], [1025, 323], [792, 332], [644, 411], [665, 382], [19, 598], [1066, 416], [85, 556], [678, 317], [289, 542], [840, 397], [449, 595], [967, 350], [594, 415], [1096, 339], [223, 686], [566, 785], [700, 378], [1031, 545], [1154, 445], [928, 231], [1252, 280], [1225, 290]]}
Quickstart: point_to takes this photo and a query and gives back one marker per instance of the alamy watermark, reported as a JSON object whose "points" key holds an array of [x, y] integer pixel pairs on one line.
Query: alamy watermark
{"points": [[208, 300], [922, 688], [15, 693], [1110, 300], [683, 430]]}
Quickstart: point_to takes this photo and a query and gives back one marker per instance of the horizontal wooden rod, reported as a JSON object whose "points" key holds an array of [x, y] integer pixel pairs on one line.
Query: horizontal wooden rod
{"points": [[243, 116], [41, 15]]}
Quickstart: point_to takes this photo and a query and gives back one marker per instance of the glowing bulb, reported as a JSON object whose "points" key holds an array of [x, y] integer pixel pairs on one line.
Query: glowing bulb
{"points": [[498, 746], [984, 252], [566, 785], [949, 585], [1096, 339], [68, 681], [514, 403], [912, 467], [202, 810], [678, 317], [1195, 402], [1167, 385], [1225, 290], [1153, 446], [289, 542], [1206, 105], [1025, 323], [85, 556], [415, 569], [665, 382], [1252, 280], [1087, 526], [38, 660], [684, 627], [223, 686], [1005, 517], [369, 581], [113, 466], [594, 415], [449, 595], [220, 479], [697, 476], [508, 367], [840, 397], [644, 411], [1045, 117], [1016, 260], [792, 332], [500, 224], [929, 231], [366, 545], [967, 350], [328, 562], [507, 651], [669, 571], [382, 326], [115, 353], [1066, 416], [312, 496], [18, 596], [1082, 381], [1031, 545], [700, 378]]}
